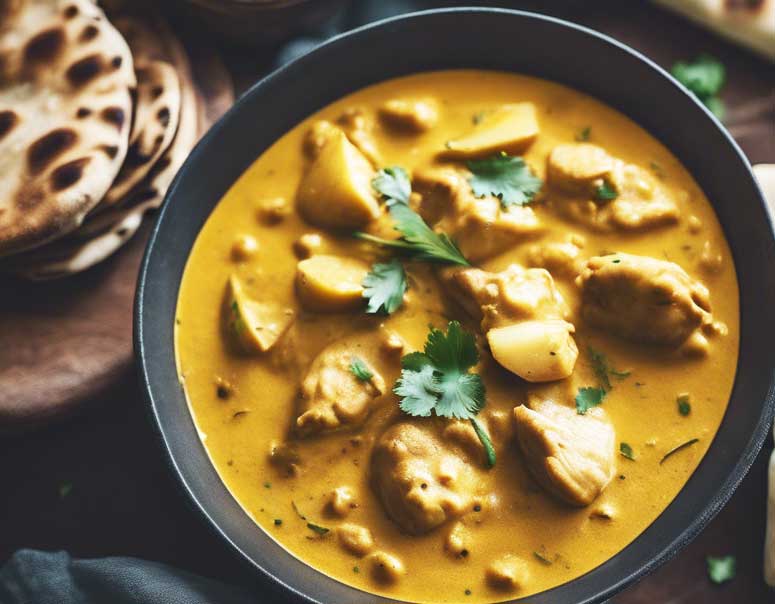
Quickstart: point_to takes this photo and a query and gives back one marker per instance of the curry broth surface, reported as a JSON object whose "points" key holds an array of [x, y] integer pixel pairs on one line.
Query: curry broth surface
{"points": [[642, 407]]}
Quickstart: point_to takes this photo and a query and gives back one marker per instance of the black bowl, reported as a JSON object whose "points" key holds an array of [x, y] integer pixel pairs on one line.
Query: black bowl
{"points": [[485, 39]]}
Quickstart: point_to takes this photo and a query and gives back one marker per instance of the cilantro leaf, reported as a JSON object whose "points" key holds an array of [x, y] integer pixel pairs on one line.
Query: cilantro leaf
{"points": [[605, 192], [506, 177], [684, 406], [418, 239], [583, 134], [588, 398], [705, 77], [626, 451], [418, 391], [437, 381], [360, 370], [384, 287], [393, 185], [320, 530], [721, 569]]}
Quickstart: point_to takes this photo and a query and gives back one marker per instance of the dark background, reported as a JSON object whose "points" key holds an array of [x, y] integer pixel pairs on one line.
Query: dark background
{"points": [[98, 484]]}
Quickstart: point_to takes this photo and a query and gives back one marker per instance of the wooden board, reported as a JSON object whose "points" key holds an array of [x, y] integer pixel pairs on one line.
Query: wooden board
{"points": [[63, 343]]}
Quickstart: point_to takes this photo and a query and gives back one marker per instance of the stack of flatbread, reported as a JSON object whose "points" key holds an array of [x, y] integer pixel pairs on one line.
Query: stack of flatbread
{"points": [[96, 118]]}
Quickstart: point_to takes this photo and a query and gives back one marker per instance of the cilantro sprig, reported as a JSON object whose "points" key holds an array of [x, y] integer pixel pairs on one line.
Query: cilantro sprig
{"points": [[418, 239], [506, 177], [588, 398], [360, 369], [438, 381], [705, 76], [721, 569], [384, 287]]}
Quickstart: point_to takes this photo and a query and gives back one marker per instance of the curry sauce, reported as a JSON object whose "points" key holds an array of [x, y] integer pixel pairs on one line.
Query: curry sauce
{"points": [[610, 269]]}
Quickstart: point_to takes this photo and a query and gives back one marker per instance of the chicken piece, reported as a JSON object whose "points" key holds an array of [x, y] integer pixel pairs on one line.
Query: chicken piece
{"points": [[336, 190], [420, 481], [254, 326], [331, 396], [355, 539], [643, 299], [536, 351], [504, 298], [317, 136], [560, 258], [331, 283], [572, 456], [507, 573], [357, 126], [577, 171], [510, 128], [410, 115], [481, 227], [578, 168]]}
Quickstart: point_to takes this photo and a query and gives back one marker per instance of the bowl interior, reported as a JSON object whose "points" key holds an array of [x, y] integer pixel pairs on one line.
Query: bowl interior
{"points": [[483, 39]]}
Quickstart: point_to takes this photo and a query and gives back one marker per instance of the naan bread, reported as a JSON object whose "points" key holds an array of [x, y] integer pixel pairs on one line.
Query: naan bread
{"points": [[157, 111], [65, 114]]}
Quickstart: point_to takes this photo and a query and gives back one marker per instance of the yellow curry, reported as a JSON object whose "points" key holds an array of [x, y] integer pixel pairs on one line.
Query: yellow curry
{"points": [[459, 336]]}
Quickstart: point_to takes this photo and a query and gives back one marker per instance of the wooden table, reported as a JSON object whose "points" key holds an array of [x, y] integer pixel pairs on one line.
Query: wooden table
{"points": [[98, 484]]}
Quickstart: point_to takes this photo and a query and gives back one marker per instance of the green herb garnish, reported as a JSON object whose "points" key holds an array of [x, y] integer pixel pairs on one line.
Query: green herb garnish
{"points": [[603, 369], [680, 447], [437, 381], [542, 559], [721, 569], [278, 521], [584, 134], [705, 77], [684, 406], [384, 287], [393, 185], [506, 177], [65, 489], [418, 239], [626, 451], [605, 192], [320, 530], [360, 370], [588, 398]]}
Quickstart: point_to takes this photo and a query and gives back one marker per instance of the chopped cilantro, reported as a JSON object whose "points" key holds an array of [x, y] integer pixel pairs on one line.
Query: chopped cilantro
{"points": [[320, 530], [360, 370], [267, 485], [542, 558], [626, 451], [418, 239], [384, 287], [705, 76], [393, 185], [605, 192], [278, 521], [65, 489], [506, 177], [584, 134], [602, 368], [588, 398], [721, 569], [684, 406], [356, 570], [680, 447], [437, 381]]}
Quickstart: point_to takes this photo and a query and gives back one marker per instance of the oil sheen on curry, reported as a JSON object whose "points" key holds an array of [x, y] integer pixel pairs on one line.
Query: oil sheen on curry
{"points": [[459, 336]]}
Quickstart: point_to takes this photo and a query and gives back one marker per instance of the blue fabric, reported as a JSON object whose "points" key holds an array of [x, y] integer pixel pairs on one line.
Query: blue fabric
{"points": [[33, 577]]}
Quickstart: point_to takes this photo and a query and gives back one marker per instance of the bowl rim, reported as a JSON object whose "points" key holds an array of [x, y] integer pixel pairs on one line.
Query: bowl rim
{"points": [[724, 490]]}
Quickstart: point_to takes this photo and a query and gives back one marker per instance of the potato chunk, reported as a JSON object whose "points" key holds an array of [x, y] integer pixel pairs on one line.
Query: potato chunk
{"points": [[537, 351], [509, 128], [336, 190], [386, 568], [254, 326], [572, 456], [420, 481], [410, 115], [643, 299], [507, 573], [330, 283], [332, 397], [355, 539]]}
